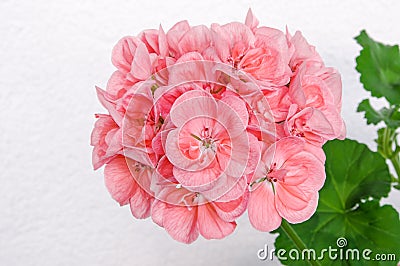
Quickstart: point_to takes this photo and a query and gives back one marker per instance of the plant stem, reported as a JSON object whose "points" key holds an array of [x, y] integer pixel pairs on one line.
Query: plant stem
{"points": [[389, 137], [396, 165], [291, 233]]}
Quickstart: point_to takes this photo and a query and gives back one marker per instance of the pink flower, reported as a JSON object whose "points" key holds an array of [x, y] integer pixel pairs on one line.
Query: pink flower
{"points": [[316, 92], [205, 122], [185, 214], [279, 101], [106, 135], [310, 124], [263, 54], [303, 51], [210, 139], [141, 124], [105, 141], [285, 185]]}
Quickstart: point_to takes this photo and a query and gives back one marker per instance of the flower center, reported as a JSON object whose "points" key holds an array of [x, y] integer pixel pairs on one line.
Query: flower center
{"points": [[234, 61], [272, 175], [206, 140], [138, 166], [297, 133]]}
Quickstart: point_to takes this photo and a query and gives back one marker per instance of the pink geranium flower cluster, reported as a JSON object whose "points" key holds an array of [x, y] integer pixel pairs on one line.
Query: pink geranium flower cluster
{"points": [[205, 123]]}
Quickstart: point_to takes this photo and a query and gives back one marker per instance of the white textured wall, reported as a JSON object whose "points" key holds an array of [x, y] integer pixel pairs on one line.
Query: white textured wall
{"points": [[54, 210]]}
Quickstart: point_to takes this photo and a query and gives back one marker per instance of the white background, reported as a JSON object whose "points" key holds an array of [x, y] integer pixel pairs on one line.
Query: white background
{"points": [[54, 209]]}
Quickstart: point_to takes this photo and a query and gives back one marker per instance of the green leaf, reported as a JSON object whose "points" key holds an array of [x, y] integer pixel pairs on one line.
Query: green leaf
{"points": [[349, 207], [353, 172], [379, 66], [391, 116]]}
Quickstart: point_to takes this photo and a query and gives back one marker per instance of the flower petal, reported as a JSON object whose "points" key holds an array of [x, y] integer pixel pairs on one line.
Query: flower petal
{"points": [[198, 180], [181, 223], [196, 39], [157, 212], [192, 104], [140, 204], [109, 105], [261, 208], [119, 180], [251, 21], [211, 226], [299, 215], [123, 53], [233, 115], [141, 65]]}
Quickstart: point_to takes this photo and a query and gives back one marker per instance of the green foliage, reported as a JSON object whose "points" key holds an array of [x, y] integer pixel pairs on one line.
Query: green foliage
{"points": [[391, 116], [379, 66], [349, 207]]}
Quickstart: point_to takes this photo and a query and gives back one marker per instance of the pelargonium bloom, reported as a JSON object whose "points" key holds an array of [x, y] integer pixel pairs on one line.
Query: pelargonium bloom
{"points": [[210, 139], [285, 185], [203, 123]]}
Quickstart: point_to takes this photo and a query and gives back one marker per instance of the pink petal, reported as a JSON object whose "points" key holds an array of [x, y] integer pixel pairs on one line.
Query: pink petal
{"points": [[232, 204], [119, 180], [317, 151], [234, 157], [141, 66], [254, 154], [310, 173], [162, 42], [157, 212], [261, 208], [165, 167], [175, 155], [231, 210], [226, 189], [109, 105], [157, 145], [232, 38], [99, 158], [116, 84], [251, 21], [105, 133], [138, 110], [303, 51], [114, 142], [292, 198], [283, 149], [142, 155], [300, 215], [150, 39], [181, 223], [210, 225], [140, 204], [173, 194], [192, 67], [232, 113], [197, 39], [198, 180], [279, 102], [123, 53], [174, 35], [192, 106]]}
